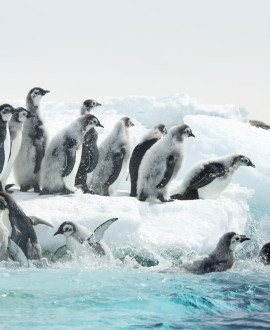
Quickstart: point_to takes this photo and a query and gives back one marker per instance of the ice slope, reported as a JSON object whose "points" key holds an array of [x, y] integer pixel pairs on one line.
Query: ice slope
{"points": [[180, 226]]}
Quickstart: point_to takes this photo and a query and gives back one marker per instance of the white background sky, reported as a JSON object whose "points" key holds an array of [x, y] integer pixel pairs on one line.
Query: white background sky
{"points": [[215, 50]]}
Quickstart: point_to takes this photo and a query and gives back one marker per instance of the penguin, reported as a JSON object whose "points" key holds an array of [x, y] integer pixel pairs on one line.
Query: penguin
{"points": [[264, 255], [147, 142], [34, 141], [79, 238], [114, 154], [62, 158], [222, 258], [161, 164], [89, 158], [207, 179], [20, 228], [6, 112], [15, 125]]}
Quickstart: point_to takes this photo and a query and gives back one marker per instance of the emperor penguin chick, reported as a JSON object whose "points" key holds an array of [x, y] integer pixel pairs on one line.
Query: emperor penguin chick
{"points": [[139, 151], [161, 164], [219, 260], [63, 156], [34, 141], [15, 129], [6, 111], [89, 157], [114, 154]]}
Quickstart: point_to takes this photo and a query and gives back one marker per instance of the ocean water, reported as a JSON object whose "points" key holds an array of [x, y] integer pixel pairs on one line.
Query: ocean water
{"points": [[121, 298]]}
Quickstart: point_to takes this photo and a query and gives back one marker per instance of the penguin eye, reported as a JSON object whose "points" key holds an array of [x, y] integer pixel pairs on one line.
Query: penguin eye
{"points": [[94, 103], [237, 238]]}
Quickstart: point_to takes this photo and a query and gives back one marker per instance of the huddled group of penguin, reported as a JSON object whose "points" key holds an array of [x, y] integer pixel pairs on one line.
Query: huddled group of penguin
{"points": [[73, 160]]}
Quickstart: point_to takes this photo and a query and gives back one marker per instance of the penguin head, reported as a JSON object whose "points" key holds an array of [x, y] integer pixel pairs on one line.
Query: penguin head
{"points": [[21, 114], [88, 105], [128, 123], [265, 254], [67, 228], [231, 240], [241, 160], [90, 121], [180, 132], [6, 111], [3, 203], [35, 95], [162, 129]]}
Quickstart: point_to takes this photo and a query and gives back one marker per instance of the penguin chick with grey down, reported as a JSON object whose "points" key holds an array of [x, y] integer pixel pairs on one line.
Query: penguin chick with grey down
{"points": [[63, 156], [161, 164], [80, 240], [208, 178], [219, 260], [114, 154]]}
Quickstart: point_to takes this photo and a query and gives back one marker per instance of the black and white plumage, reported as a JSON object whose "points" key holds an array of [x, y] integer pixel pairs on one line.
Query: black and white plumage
{"points": [[89, 158], [161, 164], [6, 112], [114, 154], [62, 158], [139, 151], [80, 240], [34, 141], [264, 255], [15, 125], [207, 179], [222, 258], [20, 228]]}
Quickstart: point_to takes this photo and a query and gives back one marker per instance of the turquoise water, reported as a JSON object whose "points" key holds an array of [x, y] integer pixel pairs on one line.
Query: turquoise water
{"points": [[126, 298]]}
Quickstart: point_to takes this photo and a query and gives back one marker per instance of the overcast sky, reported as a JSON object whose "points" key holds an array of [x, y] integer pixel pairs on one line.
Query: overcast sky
{"points": [[215, 50]]}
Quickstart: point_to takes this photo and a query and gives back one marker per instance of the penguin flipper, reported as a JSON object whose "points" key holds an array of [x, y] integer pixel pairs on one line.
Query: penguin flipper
{"points": [[100, 230], [70, 157], [38, 221], [118, 158], [207, 175], [59, 253], [94, 153], [170, 164], [40, 152], [2, 157], [17, 253]]}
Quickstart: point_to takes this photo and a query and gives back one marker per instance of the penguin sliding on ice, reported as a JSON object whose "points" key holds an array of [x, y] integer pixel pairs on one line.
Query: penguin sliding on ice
{"points": [[20, 228], [161, 164], [15, 125], [33, 146], [6, 112], [114, 154], [207, 179], [80, 240], [219, 260], [89, 158], [139, 151]]}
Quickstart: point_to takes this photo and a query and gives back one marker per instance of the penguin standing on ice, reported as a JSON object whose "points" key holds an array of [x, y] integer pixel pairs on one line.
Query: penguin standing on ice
{"points": [[161, 164], [34, 142], [6, 112], [20, 228], [207, 179], [15, 125], [89, 158], [79, 237], [114, 153], [219, 260], [63, 156], [139, 151]]}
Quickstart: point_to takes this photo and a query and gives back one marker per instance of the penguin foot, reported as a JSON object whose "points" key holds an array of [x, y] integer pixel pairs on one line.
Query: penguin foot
{"points": [[176, 196], [66, 192], [25, 188], [143, 197], [163, 200]]}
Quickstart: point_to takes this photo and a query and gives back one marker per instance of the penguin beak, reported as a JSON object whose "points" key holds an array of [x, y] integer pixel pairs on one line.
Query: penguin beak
{"points": [[191, 134], [243, 238], [58, 233], [98, 104], [251, 164], [99, 125], [44, 92], [30, 115]]}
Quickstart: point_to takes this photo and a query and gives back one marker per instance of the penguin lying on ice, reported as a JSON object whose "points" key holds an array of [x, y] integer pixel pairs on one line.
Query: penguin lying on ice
{"points": [[219, 260], [207, 179], [80, 239]]}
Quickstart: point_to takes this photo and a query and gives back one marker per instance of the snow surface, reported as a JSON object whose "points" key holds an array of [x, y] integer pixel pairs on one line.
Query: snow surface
{"points": [[182, 226]]}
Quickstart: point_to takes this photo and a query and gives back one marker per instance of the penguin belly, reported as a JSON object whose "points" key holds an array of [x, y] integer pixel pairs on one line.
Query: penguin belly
{"points": [[7, 152], [15, 148], [6, 221], [70, 179], [215, 188], [75, 246]]}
